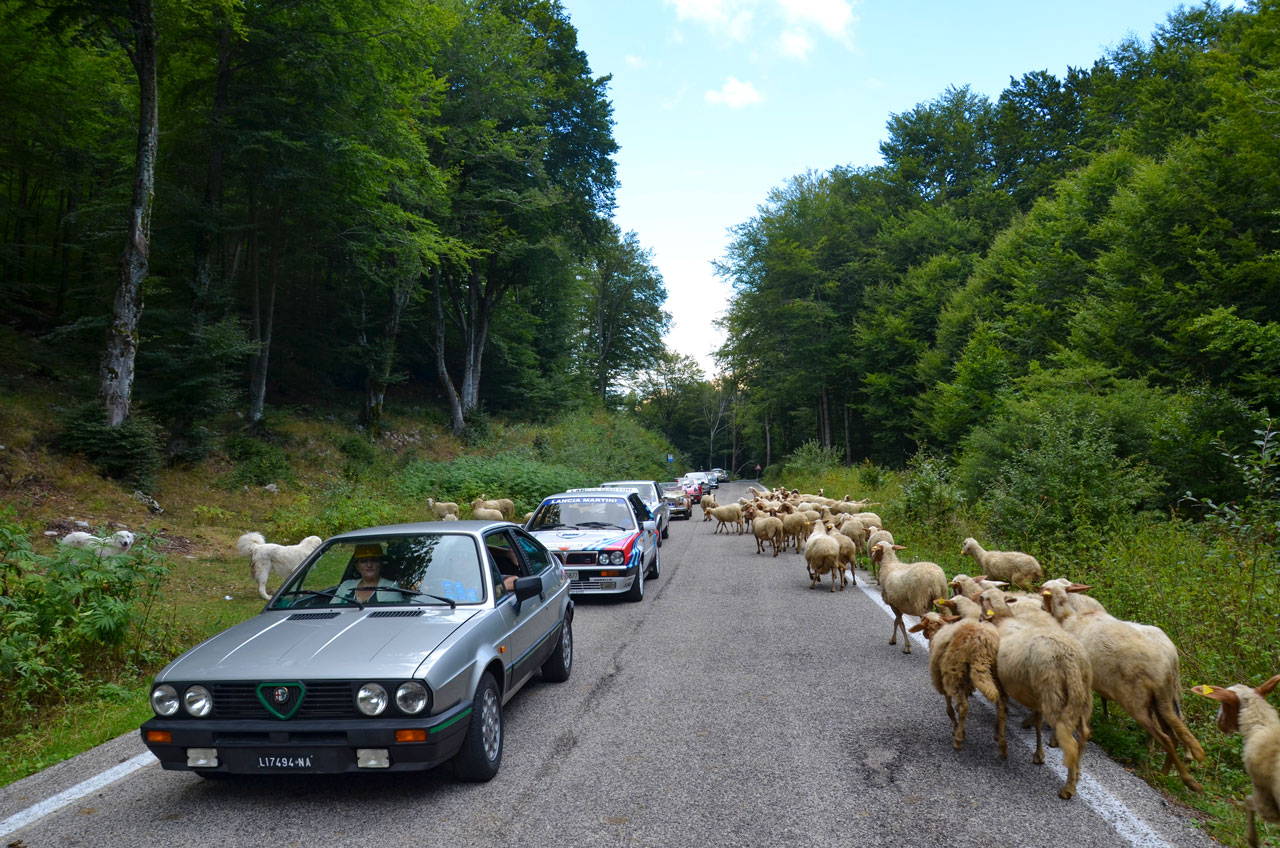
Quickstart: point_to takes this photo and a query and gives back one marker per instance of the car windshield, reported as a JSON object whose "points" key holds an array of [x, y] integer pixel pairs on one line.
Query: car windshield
{"points": [[426, 568], [672, 488], [584, 513], [644, 490]]}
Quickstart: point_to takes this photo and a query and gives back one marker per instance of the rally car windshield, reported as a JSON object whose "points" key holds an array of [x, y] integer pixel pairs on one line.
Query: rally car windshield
{"points": [[584, 513]]}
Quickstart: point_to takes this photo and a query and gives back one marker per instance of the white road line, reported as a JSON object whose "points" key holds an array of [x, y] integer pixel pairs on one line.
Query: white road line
{"points": [[1132, 829], [66, 796]]}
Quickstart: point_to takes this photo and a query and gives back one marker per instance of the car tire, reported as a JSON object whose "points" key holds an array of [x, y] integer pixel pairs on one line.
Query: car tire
{"points": [[481, 753], [666, 531], [558, 666], [656, 569], [636, 592]]}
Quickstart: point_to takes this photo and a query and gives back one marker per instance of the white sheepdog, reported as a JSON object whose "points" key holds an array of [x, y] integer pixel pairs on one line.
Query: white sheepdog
{"points": [[265, 558], [117, 543]]}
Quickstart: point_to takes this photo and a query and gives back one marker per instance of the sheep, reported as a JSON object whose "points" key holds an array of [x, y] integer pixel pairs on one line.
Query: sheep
{"points": [[481, 503], [118, 542], [486, 514], [1016, 567], [822, 556], [507, 507], [266, 558], [1134, 671], [962, 657], [726, 515], [868, 518], [848, 555], [962, 585], [1246, 711], [1079, 601], [908, 588], [874, 536], [707, 503], [794, 528], [450, 517], [767, 528], [1047, 670], [442, 508]]}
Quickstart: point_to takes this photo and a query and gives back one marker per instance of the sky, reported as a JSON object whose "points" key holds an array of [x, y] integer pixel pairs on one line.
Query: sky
{"points": [[716, 102]]}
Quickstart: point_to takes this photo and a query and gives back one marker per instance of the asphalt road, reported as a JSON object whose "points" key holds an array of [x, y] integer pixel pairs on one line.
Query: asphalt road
{"points": [[733, 706]]}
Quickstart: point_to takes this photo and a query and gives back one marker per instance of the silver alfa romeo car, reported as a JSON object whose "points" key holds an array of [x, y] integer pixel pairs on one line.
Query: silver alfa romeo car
{"points": [[391, 648]]}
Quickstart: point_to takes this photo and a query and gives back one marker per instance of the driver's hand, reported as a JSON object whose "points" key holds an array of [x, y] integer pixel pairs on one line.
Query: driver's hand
{"points": [[509, 582]]}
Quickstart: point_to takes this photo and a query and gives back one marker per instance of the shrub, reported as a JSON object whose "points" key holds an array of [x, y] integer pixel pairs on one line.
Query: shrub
{"points": [[812, 460], [257, 462], [512, 475], [129, 453], [68, 618], [928, 494], [341, 507], [1066, 474]]}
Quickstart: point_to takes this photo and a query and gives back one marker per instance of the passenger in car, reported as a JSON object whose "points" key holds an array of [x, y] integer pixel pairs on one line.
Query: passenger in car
{"points": [[507, 564]]}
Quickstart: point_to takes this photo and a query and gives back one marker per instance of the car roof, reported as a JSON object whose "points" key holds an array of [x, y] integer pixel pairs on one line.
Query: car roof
{"points": [[594, 490], [467, 527]]}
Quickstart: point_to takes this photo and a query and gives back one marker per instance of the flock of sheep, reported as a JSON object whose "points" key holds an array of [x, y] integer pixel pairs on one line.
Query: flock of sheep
{"points": [[1044, 643]]}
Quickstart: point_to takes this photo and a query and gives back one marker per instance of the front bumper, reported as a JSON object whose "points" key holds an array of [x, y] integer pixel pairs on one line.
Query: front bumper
{"points": [[311, 746], [585, 580]]}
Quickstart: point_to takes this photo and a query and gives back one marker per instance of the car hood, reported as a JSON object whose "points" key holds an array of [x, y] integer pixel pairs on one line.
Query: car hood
{"points": [[282, 643], [568, 539]]}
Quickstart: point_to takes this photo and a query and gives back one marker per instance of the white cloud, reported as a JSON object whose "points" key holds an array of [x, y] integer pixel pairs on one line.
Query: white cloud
{"points": [[728, 18], [735, 94], [635, 62], [796, 43], [834, 17]]}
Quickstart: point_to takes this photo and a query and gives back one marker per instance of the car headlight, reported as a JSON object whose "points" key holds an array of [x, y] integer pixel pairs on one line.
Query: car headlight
{"points": [[164, 700], [198, 701], [616, 557], [371, 699], [411, 697]]}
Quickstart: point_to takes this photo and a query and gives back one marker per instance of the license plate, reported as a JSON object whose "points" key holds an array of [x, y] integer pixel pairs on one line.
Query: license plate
{"points": [[572, 575], [284, 762]]}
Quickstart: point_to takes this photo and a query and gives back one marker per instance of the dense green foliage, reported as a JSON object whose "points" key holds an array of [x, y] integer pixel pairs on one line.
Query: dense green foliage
{"points": [[352, 197], [1090, 259], [70, 620]]}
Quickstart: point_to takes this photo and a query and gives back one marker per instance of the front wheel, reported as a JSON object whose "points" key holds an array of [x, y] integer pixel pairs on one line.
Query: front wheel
{"points": [[557, 667], [656, 569], [636, 592], [666, 530], [481, 753]]}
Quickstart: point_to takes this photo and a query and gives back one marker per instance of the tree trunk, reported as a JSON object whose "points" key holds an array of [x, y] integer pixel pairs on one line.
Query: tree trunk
{"points": [[381, 365], [768, 442], [848, 445], [263, 320], [457, 422], [117, 370]]}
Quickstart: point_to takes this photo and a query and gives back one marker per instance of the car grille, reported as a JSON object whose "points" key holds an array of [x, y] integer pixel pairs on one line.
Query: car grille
{"points": [[322, 700], [581, 558]]}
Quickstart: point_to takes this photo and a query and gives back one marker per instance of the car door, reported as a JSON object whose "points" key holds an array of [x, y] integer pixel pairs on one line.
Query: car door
{"points": [[521, 626], [539, 563], [648, 537]]}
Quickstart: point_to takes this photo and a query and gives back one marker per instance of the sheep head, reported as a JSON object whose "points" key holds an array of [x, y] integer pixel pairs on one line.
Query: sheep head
{"points": [[1228, 698]]}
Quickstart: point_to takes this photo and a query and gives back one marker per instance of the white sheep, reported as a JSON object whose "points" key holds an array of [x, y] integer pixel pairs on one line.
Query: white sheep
{"points": [[767, 528], [1014, 566], [962, 657], [822, 556], [1134, 671], [1246, 711], [1046, 670], [117, 543], [908, 588], [486, 514], [726, 515], [1076, 597], [875, 535], [442, 508]]}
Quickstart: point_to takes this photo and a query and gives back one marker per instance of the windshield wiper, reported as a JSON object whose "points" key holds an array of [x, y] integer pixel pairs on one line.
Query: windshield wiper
{"points": [[323, 594], [450, 601], [600, 525], [550, 526]]}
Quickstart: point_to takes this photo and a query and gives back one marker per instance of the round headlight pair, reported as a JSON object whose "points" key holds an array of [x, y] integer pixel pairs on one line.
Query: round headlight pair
{"points": [[197, 700], [411, 698], [613, 558]]}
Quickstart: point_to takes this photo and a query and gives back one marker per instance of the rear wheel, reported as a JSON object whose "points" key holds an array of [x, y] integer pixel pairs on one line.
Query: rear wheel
{"points": [[481, 753], [656, 569], [560, 663]]}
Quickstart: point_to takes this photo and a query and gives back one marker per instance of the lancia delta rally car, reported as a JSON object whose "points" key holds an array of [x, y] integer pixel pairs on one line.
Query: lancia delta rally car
{"points": [[607, 538], [651, 493]]}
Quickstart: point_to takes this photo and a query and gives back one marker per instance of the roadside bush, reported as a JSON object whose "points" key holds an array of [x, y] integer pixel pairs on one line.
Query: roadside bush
{"points": [[340, 507], [811, 460], [928, 494], [70, 620], [1065, 474], [130, 453]]}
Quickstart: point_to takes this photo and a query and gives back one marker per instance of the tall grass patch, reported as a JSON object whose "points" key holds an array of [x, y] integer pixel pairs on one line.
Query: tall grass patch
{"points": [[515, 474]]}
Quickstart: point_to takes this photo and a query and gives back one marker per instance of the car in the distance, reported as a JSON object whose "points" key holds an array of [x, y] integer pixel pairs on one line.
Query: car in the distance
{"points": [[606, 537], [405, 675], [721, 475], [707, 480], [679, 503], [651, 493], [693, 488]]}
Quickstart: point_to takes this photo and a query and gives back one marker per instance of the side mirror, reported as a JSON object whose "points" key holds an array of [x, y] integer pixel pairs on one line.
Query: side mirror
{"points": [[651, 526], [527, 587]]}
